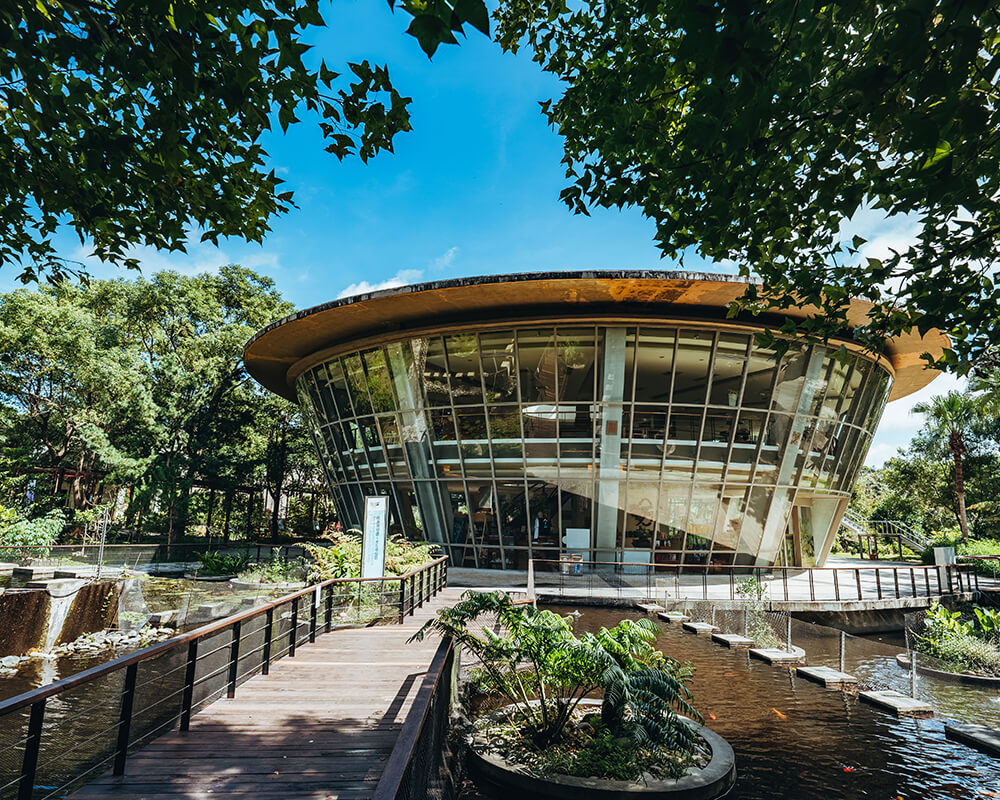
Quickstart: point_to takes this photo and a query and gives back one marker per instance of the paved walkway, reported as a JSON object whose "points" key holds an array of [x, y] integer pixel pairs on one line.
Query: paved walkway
{"points": [[826, 587], [320, 725]]}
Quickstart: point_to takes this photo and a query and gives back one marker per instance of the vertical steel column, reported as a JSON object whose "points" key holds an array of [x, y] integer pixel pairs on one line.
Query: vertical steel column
{"points": [[187, 698], [234, 661], [26, 787], [125, 718]]}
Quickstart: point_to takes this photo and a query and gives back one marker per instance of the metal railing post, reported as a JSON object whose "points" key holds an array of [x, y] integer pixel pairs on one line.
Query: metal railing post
{"points": [[857, 578], [125, 718], [265, 658], [187, 699], [913, 674], [913, 582], [927, 581], [732, 585], [420, 589], [328, 621], [836, 584], [788, 631], [313, 612], [293, 632], [234, 660], [26, 787], [413, 605], [704, 584], [402, 601], [878, 582], [843, 649], [895, 580], [784, 580]]}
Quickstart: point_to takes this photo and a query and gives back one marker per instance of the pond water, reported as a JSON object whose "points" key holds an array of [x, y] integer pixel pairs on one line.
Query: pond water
{"points": [[796, 740]]}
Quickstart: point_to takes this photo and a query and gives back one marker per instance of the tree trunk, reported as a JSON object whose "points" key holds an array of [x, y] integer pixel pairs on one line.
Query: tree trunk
{"points": [[957, 449], [228, 512], [208, 516]]}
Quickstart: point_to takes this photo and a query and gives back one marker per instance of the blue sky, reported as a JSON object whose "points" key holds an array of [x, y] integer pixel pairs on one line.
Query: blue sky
{"points": [[472, 190]]}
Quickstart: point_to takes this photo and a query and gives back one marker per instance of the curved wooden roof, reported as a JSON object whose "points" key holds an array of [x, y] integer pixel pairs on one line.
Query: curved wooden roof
{"points": [[277, 354]]}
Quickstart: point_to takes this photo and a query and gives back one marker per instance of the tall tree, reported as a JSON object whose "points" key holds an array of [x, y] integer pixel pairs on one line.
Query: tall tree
{"points": [[948, 420], [755, 133]]}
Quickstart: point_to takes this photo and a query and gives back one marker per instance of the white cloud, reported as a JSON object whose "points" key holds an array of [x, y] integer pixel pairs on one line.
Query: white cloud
{"points": [[401, 278], [444, 261]]}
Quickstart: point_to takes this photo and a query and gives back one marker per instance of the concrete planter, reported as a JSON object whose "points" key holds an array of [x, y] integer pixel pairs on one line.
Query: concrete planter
{"points": [[705, 784]]}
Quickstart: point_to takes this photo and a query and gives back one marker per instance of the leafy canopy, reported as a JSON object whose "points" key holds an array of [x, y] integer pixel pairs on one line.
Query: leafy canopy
{"points": [[131, 121], [754, 132]]}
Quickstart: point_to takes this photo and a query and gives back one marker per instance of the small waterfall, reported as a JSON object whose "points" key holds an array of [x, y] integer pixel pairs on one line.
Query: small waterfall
{"points": [[58, 611]]}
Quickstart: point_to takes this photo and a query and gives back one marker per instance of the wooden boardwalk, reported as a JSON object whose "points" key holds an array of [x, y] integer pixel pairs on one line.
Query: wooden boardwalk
{"points": [[320, 725]]}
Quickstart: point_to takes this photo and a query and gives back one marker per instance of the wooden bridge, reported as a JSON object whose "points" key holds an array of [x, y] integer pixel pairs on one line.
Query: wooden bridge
{"points": [[343, 718]]}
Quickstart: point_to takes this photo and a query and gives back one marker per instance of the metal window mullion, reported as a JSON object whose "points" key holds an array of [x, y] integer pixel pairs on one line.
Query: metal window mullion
{"points": [[495, 492], [524, 448], [461, 459]]}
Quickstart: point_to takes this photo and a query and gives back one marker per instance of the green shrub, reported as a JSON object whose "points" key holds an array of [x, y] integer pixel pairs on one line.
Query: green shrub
{"points": [[218, 563], [17, 531], [277, 570], [962, 645], [342, 559], [533, 658]]}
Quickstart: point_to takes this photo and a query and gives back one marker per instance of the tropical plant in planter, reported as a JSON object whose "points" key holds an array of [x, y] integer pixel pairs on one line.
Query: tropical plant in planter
{"points": [[536, 660]]}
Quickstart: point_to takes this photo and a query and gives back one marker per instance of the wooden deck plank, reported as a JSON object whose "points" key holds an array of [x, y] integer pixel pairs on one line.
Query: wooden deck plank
{"points": [[320, 725]]}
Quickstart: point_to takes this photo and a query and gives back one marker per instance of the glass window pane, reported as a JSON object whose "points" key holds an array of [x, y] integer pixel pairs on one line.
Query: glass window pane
{"points": [[472, 435], [463, 369], [692, 362], [338, 382], [761, 372], [429, 362], [576, 363], [654, 365], [576, 433], [445, 443], [727, 371], [379, 384], [536, 355], [357, 383], [499, 366]]}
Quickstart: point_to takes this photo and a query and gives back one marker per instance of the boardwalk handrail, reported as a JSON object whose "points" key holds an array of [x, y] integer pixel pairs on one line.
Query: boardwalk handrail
{"points": [[393, 596], [890, 581], [422, 732]]}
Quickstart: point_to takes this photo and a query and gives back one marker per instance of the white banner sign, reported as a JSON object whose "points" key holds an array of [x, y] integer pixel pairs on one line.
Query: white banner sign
{"points": [[373, 543]]}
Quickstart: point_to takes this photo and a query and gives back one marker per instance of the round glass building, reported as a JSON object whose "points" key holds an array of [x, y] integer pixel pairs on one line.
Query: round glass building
{"points": [[617, 416]]}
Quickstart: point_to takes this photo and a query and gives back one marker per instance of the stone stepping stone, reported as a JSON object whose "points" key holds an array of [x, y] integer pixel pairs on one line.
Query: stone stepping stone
{"points": [[775, 655], [700, 627], [672, 616], [978, 736], [649, 608], [827, 676], [732, 640], [900, 704]]}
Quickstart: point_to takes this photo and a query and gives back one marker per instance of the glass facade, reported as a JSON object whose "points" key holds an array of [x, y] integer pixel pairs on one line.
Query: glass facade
{"points": [[650, 444]]}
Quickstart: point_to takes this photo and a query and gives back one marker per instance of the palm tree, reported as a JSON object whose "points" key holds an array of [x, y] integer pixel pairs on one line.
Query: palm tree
{"points": [[948, 418]]}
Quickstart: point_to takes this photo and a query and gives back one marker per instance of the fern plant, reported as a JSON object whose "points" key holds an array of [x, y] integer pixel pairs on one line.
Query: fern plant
{"points": [[534, 658]]}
